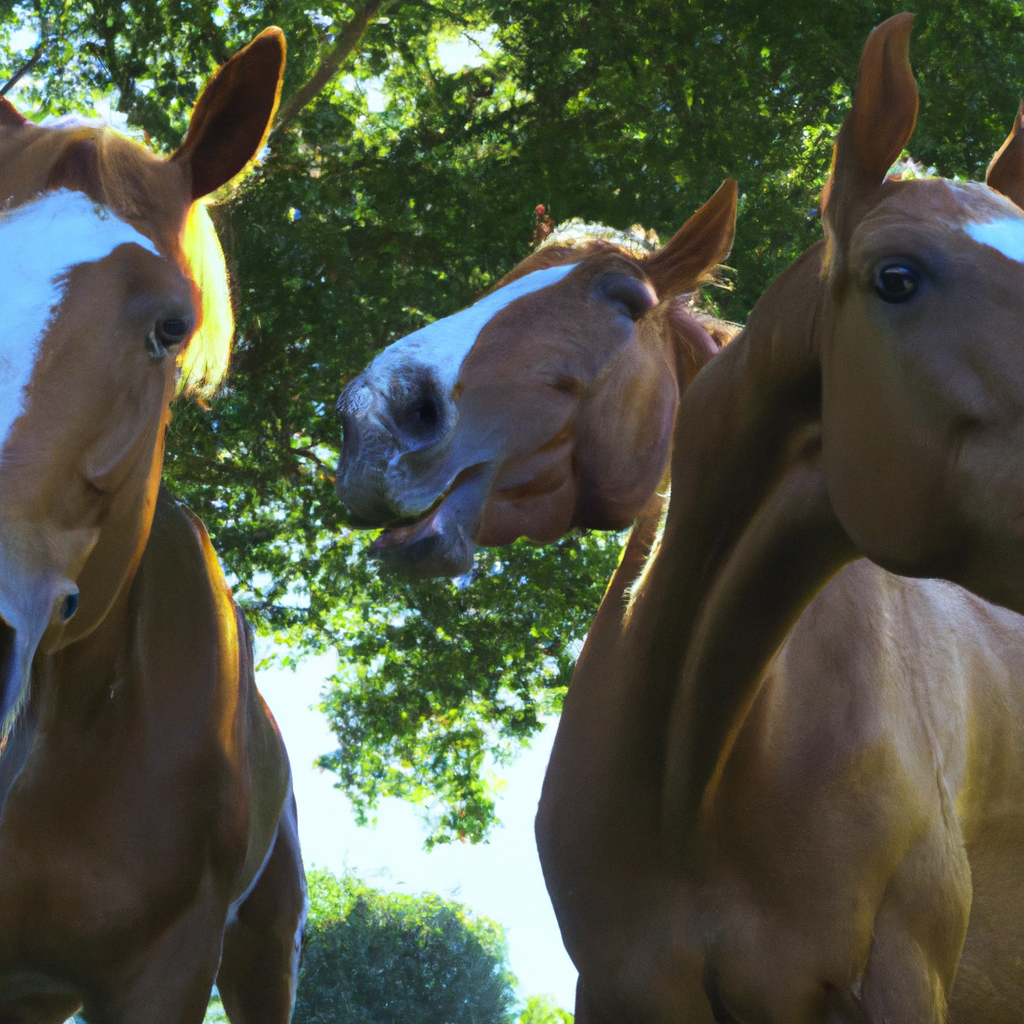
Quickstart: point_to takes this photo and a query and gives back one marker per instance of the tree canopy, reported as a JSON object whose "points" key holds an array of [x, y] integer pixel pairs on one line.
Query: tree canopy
{"points": [[375, 958], [398, 185]]}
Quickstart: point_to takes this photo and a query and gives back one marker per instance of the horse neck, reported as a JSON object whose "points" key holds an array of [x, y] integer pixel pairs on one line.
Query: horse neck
{"points": [[750, 538]]}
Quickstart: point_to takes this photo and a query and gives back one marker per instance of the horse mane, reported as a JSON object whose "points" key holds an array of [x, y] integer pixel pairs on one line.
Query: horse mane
{"points": [[205, 360], [109, 166]]}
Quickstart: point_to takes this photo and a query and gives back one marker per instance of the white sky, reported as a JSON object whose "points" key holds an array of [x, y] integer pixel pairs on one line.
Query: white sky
{"points": [[500, 880]]}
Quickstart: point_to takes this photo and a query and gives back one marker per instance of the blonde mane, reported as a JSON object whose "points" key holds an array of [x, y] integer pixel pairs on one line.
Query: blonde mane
{"points": [[205, 360]]}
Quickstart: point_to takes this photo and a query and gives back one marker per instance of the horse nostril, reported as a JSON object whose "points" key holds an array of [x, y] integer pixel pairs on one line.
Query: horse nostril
{"points": [[421, 417], [69, 606], [426, 414], [8, 668]]}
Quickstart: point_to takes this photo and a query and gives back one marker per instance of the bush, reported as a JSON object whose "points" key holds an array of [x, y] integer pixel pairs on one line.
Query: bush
{"points": [[373, 957]]}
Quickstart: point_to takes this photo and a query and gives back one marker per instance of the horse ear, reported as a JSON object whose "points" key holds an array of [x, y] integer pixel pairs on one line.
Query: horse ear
{"points": [[697, 247], [233, 115], [9, 116], [878, 126], [1006, 172]]}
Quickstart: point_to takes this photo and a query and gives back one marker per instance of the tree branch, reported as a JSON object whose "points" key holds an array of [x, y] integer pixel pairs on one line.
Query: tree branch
{"points": [[308, 453], [32, 61], [346, 44]]}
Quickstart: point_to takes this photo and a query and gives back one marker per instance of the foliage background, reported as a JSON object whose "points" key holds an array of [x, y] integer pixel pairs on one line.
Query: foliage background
{"points": [[392, 192], [373, 957]]}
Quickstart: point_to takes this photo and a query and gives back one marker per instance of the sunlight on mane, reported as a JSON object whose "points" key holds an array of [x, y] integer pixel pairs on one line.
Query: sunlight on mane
{"points": [[577, 232], [205, 360], [634, 589]]}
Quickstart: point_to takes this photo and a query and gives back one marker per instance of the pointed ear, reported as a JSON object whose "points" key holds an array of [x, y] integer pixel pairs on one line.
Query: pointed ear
{"points": [[9, 116], [1006, 172], [697, 247], [878, 126], [232, 117]]}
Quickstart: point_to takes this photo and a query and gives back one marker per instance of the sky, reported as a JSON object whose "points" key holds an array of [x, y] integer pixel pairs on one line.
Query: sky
{"points": [[500, 880]]}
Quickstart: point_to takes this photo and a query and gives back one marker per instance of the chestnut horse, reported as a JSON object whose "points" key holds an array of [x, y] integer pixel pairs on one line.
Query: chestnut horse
{"points": [[148, 837], [737, 826], [549, 404], [784, 790]]}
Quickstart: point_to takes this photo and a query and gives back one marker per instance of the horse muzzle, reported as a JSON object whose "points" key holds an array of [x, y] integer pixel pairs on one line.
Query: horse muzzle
{"points": [[395, 442], [30, 603]]}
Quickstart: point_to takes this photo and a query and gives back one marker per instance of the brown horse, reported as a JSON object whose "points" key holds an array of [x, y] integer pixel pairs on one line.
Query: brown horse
{"points": [[549, 404], [147, 829], [743, 827], [784, 790]]}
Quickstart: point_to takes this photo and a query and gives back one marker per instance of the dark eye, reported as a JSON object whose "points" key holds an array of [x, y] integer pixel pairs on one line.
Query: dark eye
{"points": [[173, 330], [896, 283]]}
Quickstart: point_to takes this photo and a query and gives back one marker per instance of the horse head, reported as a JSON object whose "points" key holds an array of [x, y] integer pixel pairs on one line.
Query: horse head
{"points": [[113, 286], [922, 372], [548, 404]]}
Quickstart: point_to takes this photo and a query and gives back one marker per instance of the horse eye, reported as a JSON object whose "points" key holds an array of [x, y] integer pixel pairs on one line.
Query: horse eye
{"points": [[896, 283], [173, 330]]}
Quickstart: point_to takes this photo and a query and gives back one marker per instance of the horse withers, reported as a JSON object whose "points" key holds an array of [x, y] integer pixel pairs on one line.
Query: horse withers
{"points": [[546, 405], [148, 838]]}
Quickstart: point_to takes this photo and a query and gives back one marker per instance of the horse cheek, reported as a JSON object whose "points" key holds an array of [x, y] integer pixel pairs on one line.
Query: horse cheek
{"points": [[882, 470]]}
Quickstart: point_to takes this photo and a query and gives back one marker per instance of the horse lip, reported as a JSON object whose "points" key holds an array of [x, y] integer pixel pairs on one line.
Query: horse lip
{"points": [[404, 530], [440, 540]]}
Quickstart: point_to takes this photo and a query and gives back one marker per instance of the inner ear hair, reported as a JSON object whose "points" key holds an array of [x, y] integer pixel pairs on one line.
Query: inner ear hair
{"points": [[233, 115]]}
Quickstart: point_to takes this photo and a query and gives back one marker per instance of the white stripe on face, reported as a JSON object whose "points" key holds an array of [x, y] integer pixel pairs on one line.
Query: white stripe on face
{"points": [[444, 344], [40, 242], [1005, 235]]}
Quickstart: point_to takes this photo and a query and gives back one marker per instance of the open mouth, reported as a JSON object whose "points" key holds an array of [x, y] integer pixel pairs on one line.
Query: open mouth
{"points": [[440, 542]]}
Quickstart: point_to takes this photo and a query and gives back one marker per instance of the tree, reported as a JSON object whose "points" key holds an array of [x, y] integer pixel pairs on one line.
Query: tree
{"points": [[543, 1010], [361, 226], [371, 957]]}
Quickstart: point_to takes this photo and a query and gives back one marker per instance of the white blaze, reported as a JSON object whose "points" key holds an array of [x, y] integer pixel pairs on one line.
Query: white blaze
{"points": [[1005, 235], [39, 244], [444, 344]]}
